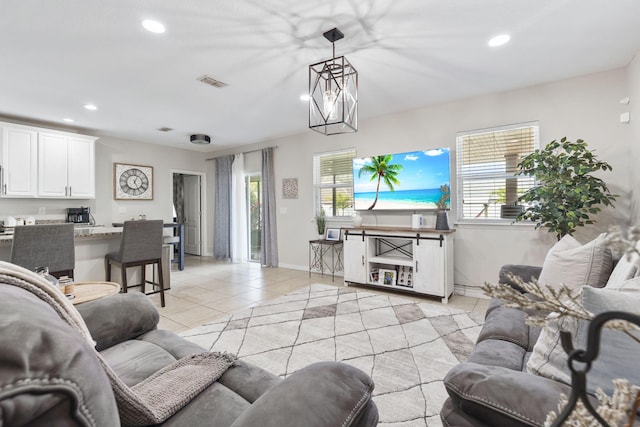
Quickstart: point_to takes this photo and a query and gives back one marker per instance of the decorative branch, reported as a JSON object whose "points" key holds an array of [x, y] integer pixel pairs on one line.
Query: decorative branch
{"points": [[615, 409], [550, 303], [624, 243], [562, 301]]}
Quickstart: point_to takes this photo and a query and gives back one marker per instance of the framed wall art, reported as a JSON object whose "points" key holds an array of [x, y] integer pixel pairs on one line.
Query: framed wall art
{"points": [[290, 188], [132, 182]]}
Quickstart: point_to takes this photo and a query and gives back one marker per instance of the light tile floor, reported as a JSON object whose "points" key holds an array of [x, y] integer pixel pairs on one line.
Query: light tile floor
{"points": [[207, 289]]}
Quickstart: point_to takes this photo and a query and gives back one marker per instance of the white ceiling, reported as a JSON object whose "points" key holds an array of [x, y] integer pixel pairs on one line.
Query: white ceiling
{"points": [[57, 55]]}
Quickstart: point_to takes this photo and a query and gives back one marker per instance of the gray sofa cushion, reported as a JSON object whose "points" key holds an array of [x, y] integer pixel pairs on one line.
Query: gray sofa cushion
{"points": [[507, 324], [452, 417], [503, 397], [525, 272], [294, 402], [119, 318], [49, 372], [493, 352]]}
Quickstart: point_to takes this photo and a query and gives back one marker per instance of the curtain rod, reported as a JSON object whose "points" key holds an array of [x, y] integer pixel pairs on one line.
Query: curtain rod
{"points": [[243, 152]]}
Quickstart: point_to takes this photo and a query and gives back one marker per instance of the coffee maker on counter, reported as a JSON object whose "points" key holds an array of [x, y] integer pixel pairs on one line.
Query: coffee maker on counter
{"points": [[79, 215]]}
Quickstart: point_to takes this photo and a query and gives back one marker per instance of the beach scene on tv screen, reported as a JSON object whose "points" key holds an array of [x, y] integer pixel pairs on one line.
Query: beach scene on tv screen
{"points": [[403, 181]]}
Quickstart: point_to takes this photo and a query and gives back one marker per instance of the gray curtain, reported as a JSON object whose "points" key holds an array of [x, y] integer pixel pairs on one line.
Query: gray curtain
{"points": [[269, 257], [222, 209], [178, 197]]}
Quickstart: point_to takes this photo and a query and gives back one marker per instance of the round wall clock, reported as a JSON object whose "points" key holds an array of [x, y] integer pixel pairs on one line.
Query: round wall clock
{"points": [[132, 182]]}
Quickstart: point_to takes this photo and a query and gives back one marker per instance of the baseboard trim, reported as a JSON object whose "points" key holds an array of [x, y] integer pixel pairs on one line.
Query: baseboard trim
{"points": [[306, 268], [469, 291]]}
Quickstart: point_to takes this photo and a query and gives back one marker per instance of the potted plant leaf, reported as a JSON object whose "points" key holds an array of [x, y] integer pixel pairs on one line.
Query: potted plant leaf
{"points": [[321, 221], [566, 194], [442, 204]]}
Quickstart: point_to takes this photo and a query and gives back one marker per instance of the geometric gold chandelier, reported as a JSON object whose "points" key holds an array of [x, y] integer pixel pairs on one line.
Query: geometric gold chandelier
{"points": [[333, 93]]}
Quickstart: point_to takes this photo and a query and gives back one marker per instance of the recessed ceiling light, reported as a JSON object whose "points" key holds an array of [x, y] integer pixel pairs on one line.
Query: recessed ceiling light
{"points": [[305, 97], [499, 40], [90, 107], [68, 120], [153, 26]]}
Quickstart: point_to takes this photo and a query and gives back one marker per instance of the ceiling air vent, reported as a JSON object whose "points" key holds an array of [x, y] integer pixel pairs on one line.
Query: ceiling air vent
{"points": [[212, 82], [165, 129]]}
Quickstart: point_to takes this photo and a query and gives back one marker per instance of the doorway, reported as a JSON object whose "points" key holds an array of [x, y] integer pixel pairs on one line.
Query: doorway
{"points": [[254, 206], [187, 204]]}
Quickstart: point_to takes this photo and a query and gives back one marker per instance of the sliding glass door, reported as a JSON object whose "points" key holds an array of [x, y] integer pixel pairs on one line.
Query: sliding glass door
{"points": [[254, 205]]}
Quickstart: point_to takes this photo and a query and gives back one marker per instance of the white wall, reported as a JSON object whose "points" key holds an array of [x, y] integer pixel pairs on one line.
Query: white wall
{"points": [[163, 160], [585, 107], [634, 108]]}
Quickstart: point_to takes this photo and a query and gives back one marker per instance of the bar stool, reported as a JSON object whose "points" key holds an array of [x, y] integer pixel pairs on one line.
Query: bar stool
{"points": [[46, 245], [141, 245]]}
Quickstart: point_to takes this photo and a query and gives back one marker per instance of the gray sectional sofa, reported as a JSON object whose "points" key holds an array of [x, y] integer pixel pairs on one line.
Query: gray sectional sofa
{"points": [[49, 376], [492, 388]]}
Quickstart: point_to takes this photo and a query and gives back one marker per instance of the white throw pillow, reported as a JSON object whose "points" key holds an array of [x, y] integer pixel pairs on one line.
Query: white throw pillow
{"points": [[631, 285], [627, 268], [575, 265], [618, 352]]}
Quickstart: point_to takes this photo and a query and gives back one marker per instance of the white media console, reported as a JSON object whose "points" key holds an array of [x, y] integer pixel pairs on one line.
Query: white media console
{"points": [[416, 260]]}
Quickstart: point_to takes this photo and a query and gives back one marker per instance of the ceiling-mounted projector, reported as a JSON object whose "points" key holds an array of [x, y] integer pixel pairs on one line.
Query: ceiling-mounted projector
{"points": [[200, 138]]}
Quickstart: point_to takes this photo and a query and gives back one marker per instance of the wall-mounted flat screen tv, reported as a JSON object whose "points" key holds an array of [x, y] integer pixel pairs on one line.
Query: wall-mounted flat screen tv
{"points": [[404, 181]]}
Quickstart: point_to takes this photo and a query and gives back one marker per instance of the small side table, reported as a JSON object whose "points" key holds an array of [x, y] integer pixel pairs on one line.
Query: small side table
{"points": [[318, 253], [89, 291]]}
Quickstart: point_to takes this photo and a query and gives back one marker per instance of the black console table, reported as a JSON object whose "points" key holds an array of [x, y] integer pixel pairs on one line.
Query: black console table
{"points": [[318, 252]]}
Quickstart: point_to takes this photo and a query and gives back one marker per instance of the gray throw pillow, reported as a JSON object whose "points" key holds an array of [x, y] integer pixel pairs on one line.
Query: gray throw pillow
{"points": [[618, 352]]}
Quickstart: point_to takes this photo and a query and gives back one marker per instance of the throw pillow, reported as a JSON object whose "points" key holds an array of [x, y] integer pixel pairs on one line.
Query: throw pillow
{"points": [[627, 268], [575, 265], [618, 351], [631, 285]]}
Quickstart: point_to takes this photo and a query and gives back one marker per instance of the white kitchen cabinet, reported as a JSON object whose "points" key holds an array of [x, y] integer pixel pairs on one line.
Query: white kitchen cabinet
{"points": [[39, 162], [66, 166], [413, 260], [19, 161]]}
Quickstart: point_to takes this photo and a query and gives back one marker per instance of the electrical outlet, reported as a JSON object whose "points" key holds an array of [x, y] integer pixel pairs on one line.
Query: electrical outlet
{"points": [[42, 211]]}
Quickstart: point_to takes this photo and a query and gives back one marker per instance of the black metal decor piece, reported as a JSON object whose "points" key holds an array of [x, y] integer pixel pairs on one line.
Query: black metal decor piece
{"points": [[580, 362]]}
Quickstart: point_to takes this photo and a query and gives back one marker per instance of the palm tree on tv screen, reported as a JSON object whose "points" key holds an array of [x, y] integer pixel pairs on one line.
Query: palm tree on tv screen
{"points": [[382, 170]]}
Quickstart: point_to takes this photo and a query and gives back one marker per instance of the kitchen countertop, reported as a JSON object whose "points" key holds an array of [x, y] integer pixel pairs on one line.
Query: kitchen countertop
{"points": [[81, 233]]}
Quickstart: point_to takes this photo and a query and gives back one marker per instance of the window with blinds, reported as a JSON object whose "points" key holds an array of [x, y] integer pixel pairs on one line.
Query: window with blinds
{"points": [[333, 181], [487, 159]]}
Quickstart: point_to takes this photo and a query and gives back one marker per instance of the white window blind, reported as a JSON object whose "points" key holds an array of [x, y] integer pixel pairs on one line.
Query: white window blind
{"points": [[333, 181], [487, 159]]}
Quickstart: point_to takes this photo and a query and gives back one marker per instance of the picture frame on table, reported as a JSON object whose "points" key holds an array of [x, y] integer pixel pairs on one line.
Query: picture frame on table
{"points": [[332, 234], [388, 277], [405, 277]]}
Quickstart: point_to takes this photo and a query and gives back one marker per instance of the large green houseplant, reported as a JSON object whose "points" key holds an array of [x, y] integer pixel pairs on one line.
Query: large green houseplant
{"points": [[566, 193]]}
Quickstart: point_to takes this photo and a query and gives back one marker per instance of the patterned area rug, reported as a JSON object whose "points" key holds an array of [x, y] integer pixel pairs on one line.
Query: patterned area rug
{"points": [[406, 346]]}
